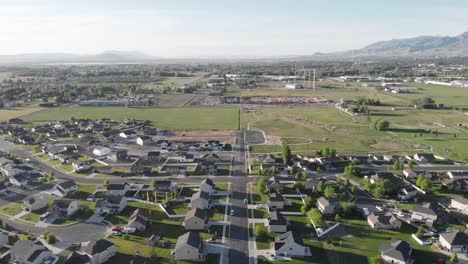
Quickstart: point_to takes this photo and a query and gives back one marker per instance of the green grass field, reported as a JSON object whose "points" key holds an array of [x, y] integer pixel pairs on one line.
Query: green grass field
{"points": [[173, 118], [10, 113]]}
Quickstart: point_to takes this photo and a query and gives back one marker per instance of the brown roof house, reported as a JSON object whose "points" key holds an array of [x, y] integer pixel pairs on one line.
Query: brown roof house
{"points": [[195, 219]]}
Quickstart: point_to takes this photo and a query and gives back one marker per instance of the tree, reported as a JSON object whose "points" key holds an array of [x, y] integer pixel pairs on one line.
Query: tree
{"points": [[346, 183], [382, 125], [337, 218], [298, 176], [420, 232], [308, 202], [420, 179], [304, 209], [396, 165], [410, 164], [316, 217], [320, 187], [261, 185], [454, 258], [329, 191], [106, 182], [151, 184], [286, 154], [348, 208], [304, 175], [353, 189], [425, 184]]}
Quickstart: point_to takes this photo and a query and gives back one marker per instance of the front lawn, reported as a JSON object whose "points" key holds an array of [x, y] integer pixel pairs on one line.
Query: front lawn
{"points": [[296, 204], [264, 241], [12, 209]]}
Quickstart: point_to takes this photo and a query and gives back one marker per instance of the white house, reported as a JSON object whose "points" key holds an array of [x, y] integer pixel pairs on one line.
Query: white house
{"points": [[114, 204], [65, 188], [456, 241], [100, 251], [461, 204], [63, 209], [290, 244], [144, 140], [101, 151], [34, 204]]}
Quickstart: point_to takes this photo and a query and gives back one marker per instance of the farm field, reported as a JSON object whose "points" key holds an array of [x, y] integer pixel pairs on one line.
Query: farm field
{"points": [[172, 118], [10, 113]]}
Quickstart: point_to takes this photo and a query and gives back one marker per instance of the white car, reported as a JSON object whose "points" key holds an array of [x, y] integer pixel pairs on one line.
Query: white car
{"points": [[232, 212], [129, 230]]}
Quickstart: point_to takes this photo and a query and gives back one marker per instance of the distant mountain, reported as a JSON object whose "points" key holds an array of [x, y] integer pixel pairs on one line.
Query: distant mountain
{"points": [[103, 57], [423, 46]]}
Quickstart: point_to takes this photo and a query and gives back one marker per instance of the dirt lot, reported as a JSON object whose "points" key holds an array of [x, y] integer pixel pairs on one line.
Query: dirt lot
{"points": [[201, 136]]}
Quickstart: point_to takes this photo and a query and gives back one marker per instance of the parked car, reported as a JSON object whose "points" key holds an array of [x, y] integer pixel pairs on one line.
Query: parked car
{"points": [[129, 230], [232, 212], [117, 229], [44, 216]]}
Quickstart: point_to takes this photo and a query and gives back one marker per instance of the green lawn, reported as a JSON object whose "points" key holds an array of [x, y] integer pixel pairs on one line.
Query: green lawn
{"points": [[296, 204], [11, 209], [31, 217], [264, 242], [188, 118]]}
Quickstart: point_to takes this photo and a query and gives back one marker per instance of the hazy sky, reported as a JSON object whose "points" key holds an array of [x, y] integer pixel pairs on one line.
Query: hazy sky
{"points": [[176, 28]]}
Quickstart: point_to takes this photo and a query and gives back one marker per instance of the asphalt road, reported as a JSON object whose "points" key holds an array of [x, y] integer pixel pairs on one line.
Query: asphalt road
{"points": [[239, 237]]}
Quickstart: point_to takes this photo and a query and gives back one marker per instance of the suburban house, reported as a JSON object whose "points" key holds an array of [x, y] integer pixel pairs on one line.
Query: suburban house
{"points": [[165, 146], [77, 258], [383, 221], [456, 241], [101, 151], [63, 209], [138, 220], [127, 134], [407, 193], [209, 168], [164, 186], [273, 184], [276, 222], [200, 200], [20, 180], [144, 141], [154, 156], [119, 189], [195, 219], [100, 251], [34, 204], [114, 204], [190, 247], [211, 157], [311, 183], [118, 155], [65, 188], [80, 166], [424, 214], [31, 252], [327, 206], [397, 252], [207, 185], [411, 174], [424, 157], [458, 185], [290, 244], [214, 145], [458, 174], [276, 200], [461, 204], [4, 239]]}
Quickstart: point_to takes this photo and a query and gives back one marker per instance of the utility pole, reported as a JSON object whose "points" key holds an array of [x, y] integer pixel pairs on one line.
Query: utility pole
{"points": [[313, 86], [309, 80]]}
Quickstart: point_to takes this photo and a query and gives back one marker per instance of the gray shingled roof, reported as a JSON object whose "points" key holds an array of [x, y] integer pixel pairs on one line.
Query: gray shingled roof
{"points": [[398, 249], [456, 238], [97, 246]]}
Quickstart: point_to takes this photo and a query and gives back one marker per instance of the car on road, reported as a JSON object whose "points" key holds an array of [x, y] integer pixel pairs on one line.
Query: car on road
{"points": [[232, 212], [245, 201], [117, 229]]}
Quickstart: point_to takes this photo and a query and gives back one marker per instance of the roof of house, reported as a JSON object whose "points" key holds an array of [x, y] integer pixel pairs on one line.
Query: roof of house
{"points": [[276, 218], [202, 195], [114, 199], [424, 210], [67, 184], [23, 247], [191, 238], [208, 181], [97, 246], [62, 204], [286, 238], [138, 217], [456, 238], [386, 219], [116, 186], [398, 249], [276, 197], [195, 212], [76, 258], [461, 200], [162, 184]]}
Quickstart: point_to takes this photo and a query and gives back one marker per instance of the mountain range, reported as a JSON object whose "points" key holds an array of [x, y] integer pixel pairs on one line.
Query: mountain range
{"points": [[418, 47]]}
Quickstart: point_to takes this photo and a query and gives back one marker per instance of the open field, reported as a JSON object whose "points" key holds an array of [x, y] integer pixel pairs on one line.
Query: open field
{"points": [[308, 130], [8, 113], [173, 118]]}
